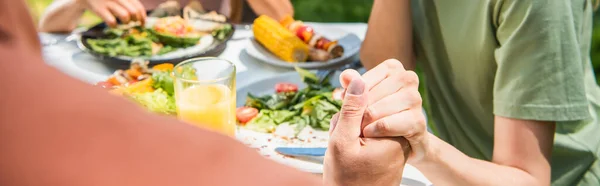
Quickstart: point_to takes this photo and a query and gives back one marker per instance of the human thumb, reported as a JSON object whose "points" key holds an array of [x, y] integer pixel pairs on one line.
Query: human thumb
{"points": [[348, 125]]}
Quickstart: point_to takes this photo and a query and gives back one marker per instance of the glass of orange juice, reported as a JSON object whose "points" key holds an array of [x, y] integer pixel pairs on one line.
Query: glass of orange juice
{"points": [[205, 93]]}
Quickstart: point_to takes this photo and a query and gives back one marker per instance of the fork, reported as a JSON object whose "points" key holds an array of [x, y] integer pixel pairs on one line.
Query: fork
{"points": [[321, 74]]}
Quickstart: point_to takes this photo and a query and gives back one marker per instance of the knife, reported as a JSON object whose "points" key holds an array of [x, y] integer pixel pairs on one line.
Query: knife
{"points": [[301, 151]]}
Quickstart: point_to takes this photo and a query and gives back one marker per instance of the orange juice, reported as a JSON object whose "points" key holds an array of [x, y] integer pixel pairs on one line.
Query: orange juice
{"points": [[208, 106]]}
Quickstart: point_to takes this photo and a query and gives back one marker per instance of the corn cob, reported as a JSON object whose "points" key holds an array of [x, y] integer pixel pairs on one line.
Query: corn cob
{"points": [[280, 41]]}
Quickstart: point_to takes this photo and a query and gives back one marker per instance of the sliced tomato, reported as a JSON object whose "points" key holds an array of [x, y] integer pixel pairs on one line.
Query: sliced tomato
{"points": [[245, 114], [338, 94], [105, 84], [286, 87], [133, 81], [113, 80]]}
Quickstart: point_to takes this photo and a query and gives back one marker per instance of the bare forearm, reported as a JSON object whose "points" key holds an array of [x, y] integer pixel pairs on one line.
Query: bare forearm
{"points": [[389, 34], [61, 16], [276, 9], [449, 166]]}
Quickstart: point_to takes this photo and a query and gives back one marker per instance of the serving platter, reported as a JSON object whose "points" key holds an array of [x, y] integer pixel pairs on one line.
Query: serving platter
{"points": [[350, 42], [208, 46]]}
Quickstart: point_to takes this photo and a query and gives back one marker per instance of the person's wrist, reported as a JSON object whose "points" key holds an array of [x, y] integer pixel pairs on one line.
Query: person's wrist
{"points": [[432, 151]]}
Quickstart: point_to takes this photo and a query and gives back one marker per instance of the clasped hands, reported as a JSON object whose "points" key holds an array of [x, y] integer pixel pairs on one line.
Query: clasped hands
{"points": [[380, 127]]}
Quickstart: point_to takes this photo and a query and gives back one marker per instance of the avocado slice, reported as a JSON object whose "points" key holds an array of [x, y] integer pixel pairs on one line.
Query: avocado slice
{"points": [[178, 41]]}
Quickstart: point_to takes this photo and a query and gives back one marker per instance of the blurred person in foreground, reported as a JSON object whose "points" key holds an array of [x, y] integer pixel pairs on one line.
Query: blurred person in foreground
{"points": [[64, 15], [55, 130], [510, 83]]}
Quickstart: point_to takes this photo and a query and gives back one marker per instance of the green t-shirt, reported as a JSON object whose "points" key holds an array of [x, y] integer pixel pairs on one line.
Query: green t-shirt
{"points": [[522, 59]]}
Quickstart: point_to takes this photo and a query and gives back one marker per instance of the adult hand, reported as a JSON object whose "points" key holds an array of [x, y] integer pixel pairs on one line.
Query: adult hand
{"points": [[395, 107], [353, 160], [110, 10]]}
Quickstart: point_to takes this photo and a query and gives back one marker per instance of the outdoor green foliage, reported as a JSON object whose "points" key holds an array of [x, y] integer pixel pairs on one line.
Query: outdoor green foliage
{"points": [[333, 10]]}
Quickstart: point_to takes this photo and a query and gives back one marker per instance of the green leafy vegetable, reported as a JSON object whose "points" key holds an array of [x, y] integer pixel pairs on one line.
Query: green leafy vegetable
{"points": [[166, 49], [158, 101], [163, 80], [138, 42], [312, 106], [262, 122], [221, 33]]}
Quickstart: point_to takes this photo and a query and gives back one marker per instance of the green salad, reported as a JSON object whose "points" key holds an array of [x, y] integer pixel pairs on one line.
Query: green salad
{"points": [[312, 106], [138, 41]]}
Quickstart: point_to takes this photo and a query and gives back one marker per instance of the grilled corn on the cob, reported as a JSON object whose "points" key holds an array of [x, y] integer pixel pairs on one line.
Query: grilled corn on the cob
{"points": [[280, 41]]}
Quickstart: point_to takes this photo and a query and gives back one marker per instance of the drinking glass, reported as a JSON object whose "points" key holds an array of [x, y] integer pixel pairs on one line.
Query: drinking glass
{"points": [[205, 93]]}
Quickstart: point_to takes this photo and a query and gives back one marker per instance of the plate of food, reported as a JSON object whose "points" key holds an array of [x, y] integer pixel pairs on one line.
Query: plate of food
{"points": [[289, 43], [151, 88], [167, 36], [289, 110]]}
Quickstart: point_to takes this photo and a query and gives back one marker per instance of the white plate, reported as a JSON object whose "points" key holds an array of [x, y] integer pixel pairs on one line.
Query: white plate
{"points": [[350, 42], [207, 46], [266, 143]]}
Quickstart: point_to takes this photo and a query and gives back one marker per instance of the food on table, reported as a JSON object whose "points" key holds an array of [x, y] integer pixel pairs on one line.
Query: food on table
{"points": [[134, 41], [286, 87], [245, 114], [158, 101], [280, 41], [312, 106], [318, 55], [175, 31], [319, 43], [149, 87], [222, 32], [166, 35], [208, 105]]}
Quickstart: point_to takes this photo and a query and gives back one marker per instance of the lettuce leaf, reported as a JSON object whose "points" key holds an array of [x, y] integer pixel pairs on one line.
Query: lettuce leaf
{"points": [[163, 80], [158, 101]]}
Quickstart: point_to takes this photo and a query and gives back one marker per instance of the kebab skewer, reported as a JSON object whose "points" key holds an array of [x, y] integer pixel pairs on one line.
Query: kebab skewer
{"points": [[322, 49]]}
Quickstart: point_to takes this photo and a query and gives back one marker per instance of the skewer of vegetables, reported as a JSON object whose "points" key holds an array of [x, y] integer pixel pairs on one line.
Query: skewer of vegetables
{"points": [[314, 40]]}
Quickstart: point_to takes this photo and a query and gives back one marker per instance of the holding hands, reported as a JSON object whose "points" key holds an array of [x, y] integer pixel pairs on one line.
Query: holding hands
{"points": [[380, 117], [395, 107]]}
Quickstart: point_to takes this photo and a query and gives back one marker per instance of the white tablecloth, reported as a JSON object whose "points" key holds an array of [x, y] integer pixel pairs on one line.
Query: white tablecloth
{"points": [[69, 59]]}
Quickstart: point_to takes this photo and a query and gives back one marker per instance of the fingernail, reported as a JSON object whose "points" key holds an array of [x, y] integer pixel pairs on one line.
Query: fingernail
{"points": [[356, 87]]}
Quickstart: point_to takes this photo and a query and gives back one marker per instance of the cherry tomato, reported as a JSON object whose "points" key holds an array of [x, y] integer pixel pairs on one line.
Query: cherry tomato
{"points": [[245, 114], [338, 94], [104, 84], [305, 33], [286, 87]]}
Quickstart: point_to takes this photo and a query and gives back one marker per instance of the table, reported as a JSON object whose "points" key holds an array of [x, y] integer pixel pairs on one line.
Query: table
{"points": [[67, 58]]}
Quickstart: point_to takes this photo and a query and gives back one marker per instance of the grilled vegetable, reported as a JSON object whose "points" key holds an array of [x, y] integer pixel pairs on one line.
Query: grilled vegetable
{"points": [[307, 34], [280, 41]]}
